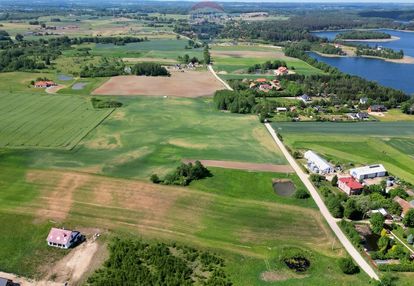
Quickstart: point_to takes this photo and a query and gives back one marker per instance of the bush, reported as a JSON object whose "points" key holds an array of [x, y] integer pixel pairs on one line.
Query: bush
{"points": [[403, 267], [377, 222], [347, 266], [155, 179], [317, 178], [184, 174], [301, 194], [334, 181], [409, 218], [103, 103], [349, 229]]}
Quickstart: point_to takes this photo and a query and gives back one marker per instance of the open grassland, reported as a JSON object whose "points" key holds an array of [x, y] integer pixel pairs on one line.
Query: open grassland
{"points": [[394, 115], [45, 121], [389, 143], [233, 61], [249, 233], [150, 135]]}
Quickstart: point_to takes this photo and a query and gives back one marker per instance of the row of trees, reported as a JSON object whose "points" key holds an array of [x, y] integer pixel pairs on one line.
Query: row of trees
{"points": [[104, 68], [183, 175], [268, 65], [382, 53], [149, 69]]}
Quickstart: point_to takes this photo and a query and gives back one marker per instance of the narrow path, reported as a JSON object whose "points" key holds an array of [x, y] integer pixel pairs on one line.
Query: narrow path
{"points": [[323, 209], [244, 166], [226, 85], [402, 242]]}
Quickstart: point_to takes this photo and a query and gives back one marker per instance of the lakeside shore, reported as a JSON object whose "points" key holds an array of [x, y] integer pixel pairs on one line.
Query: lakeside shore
{"points": [[405, 60], [393, 38]]}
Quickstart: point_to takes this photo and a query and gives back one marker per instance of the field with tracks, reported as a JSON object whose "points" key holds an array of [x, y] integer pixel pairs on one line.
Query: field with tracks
{"points": [[45, 121], [389, 143]]}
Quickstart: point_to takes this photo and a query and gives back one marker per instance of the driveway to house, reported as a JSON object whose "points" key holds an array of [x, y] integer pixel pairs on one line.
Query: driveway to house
{"points": [[210, 68], [323, 209]]}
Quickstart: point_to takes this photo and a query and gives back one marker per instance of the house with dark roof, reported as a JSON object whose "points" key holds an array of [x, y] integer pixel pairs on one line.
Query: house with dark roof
{"points": [[306, 98], [362, 116], [377, 108]]}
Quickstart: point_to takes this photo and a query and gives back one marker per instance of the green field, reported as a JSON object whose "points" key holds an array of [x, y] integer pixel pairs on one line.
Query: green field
{"points": [[389, 143], [46, 121]]}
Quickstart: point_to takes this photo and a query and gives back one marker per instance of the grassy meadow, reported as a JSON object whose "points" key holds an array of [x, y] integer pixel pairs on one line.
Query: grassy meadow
{"points": [[389, 143]]}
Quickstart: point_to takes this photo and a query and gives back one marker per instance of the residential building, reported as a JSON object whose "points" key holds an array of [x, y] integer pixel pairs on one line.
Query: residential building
{"points": [[406, 206], [265, 87], [362, 115], [363, 100], [63, 238], [281, 71], [377, 108], [306, 98], [261, 80], [44, 84], [350, 186], [317, 164], [368, 172]]}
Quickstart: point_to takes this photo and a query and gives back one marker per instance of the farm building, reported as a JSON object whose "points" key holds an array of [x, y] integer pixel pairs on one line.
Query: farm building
{"points": [[63, 238], [377, 108], [406, 206], [282, 71], [44, 84], [350, 186], [368, 172], [317, 164]]}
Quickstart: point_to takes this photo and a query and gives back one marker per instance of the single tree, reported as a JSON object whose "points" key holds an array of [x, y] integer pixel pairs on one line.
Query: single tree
{"points": [[377, 222], [334, 181], [409, 218]]}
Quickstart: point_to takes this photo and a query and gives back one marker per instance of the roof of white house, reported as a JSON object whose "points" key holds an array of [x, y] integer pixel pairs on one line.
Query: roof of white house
{"points": [[381, 211], [366, 170], [58, 235], [321, 163]]}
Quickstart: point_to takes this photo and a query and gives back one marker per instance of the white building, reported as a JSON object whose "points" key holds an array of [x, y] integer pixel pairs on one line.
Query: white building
{"points": [[63, 238], [368, 172], [317, 164]]}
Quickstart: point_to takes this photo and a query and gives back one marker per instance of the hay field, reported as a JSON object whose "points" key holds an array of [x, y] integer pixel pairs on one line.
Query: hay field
{"points": [[46, 121], [189, 84]]}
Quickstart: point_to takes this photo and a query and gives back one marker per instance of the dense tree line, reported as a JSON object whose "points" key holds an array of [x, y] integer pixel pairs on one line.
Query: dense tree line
{"points": [[134, 262], [362, 35], [183, 175], [149, 69], [105, 103], [382, 53], [268, 65], [105, 68]]}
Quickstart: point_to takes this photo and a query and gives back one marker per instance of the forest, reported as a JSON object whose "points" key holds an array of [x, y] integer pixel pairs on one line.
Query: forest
{"points": [[149, 69], [379, 52], [135, 262], [362, 35]]}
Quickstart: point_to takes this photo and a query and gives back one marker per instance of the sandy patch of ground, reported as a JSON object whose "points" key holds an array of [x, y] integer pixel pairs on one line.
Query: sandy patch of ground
{"points": [[273, 276], [54, 89], [57, 193], [140, 60], [245, 166], [248, 54], [393, 38], [186, 144], [105, 143], [22, 281], [188, 84], [378, 114]]}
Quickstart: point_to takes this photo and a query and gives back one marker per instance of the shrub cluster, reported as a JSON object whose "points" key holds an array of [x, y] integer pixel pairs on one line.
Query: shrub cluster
{"points": [[183, 175]]}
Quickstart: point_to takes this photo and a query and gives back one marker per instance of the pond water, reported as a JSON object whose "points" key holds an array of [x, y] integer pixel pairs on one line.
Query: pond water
{"points": [[284, 188], [396, 75], [64, 77], [79, 85]]}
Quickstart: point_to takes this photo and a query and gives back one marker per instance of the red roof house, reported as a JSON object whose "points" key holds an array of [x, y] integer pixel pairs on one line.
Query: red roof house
{"points": [[350, 186], [261, 80], [62, 238], [406, 206], [282, 71], [44, 83]]}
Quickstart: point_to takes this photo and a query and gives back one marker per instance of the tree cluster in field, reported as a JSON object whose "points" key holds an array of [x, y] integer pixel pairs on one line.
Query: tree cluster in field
{"points": [[385, 53], [362, 35], [135, 262], [206, 55], [408, 107], [327, 49], [186, 59], [183, 175], [268, 65], [149, 69], [192, 45], [104, 68], [105, 103]]}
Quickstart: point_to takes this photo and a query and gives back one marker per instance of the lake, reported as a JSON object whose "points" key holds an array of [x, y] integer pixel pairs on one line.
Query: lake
{"points": [[398, 76]]}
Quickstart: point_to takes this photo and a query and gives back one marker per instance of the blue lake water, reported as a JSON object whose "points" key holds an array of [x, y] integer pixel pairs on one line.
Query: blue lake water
{"points": [[398, 76]]}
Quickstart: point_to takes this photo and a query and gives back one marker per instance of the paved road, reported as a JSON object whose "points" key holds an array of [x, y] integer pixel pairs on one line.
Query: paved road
{"points": [[210, 68], [322, 207]]}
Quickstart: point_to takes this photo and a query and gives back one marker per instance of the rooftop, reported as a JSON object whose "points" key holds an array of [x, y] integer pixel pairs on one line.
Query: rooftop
{"points": [[58, 235], [378, 168], [351, 183]]}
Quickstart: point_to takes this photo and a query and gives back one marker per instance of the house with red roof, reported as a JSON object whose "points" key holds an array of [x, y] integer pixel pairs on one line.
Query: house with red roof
{"points": [[261, 80], [44, 83], [282, 71], [406, 206], [63, 238], [350, 186]]}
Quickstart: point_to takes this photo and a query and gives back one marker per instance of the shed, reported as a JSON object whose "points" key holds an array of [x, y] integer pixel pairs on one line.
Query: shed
{"points": [[368, 172], [317, 164]]}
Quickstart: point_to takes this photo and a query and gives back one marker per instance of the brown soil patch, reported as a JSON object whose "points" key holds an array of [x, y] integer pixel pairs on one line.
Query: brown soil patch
{"points": [[54, 89], [57, 195], [248, 54], [273, 276], [141, 60], [190, 84], [245, 166]]}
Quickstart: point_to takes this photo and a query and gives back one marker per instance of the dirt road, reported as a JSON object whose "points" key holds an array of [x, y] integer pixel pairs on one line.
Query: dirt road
{"points": [[245, 166], [210, 68], [323, 209]]}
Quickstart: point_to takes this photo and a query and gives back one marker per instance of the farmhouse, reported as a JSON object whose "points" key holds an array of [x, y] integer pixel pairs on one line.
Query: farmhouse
{"points": [[362, 115], [63, 238], [377, 108], [368, 172], [317, 164], [44, 84], [406, 206], [281, 71], [350, 186]]}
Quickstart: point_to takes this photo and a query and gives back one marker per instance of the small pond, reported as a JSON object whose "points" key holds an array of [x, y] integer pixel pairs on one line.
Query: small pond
{"points": [[65, 77], [284, 188], [79, 86]]}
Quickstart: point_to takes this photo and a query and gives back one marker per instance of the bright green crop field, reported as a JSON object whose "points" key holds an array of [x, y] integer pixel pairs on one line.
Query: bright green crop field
{"points": [[46, 121], [389, 143]]}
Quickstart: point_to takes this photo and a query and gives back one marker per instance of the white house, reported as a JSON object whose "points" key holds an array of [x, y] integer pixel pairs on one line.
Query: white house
{"points": [[63, 238], [368, 172], [317, 164]]}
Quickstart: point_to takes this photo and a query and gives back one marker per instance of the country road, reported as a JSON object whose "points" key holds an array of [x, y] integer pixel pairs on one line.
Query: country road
{"points": [[323, 209], [210, 68]]}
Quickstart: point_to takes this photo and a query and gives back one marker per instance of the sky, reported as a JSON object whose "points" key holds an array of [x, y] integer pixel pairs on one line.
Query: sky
{"points": [[316, 1]]}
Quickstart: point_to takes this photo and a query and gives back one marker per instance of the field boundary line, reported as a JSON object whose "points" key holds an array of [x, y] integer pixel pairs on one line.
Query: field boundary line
{"points": [[259, 167], [353, 252], [226, 85]]}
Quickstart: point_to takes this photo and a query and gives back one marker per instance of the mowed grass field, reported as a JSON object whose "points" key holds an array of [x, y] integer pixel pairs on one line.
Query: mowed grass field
{"points": [[232, 62], [389, 143], [46, 121]]}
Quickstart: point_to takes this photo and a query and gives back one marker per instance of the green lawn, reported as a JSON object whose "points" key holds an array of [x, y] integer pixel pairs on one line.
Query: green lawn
{"points": [[389, 143], [46, 121]]}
